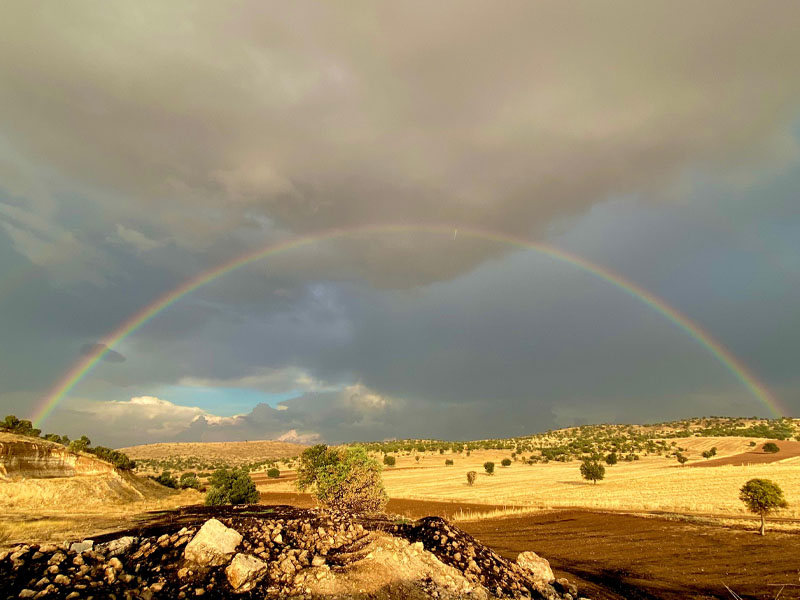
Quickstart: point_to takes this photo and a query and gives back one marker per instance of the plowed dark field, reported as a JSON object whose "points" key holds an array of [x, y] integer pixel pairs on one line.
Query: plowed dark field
{"points": [[755, 457]]}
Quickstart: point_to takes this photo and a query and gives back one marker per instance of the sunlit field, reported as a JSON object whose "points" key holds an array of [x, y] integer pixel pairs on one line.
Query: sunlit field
{"points": [[653, 483]]}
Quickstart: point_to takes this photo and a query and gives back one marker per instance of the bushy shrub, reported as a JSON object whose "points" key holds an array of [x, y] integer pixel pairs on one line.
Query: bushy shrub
{"points": [[611, 459], [342, 478], [471, 476], [389, 460], [506, 462], [274, 473], [20, 426], [488, 466], [119, 459], [190, 480], [232, 486], [681, 458], [448, 461], [81, 445], [166, 479], [770, 447], [416, 458]]}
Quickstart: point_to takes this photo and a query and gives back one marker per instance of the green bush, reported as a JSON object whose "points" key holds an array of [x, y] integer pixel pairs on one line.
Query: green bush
{"points": [[488, 466], [166, 479], [448, 461], [232, 486], [770, 447], [762, 496], [342, 478], [189, 480], [81, 445], [681, 458], [471, 476], [611, 459], [592, 471], [119, 459], [274, 473], [389, 460], [20, 426], [506, 462]]}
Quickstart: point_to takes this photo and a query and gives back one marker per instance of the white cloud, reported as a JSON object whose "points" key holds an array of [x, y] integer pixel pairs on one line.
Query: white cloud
{"points": [[137, 239]]}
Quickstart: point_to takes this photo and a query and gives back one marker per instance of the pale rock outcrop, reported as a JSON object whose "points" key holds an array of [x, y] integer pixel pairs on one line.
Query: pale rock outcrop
{"points": [[213, 545], [538, 567], [245, 572]]}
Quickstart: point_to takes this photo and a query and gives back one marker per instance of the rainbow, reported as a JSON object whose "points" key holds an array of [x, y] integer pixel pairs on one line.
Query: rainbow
{"points": [[79, 370]]}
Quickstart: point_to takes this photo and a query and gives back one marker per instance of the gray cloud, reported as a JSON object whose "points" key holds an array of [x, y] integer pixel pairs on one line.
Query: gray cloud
{"points": [[318, 116], [109, 355]]}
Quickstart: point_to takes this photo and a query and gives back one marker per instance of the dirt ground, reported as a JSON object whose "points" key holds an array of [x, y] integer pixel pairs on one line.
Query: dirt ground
{"points": [[615, 556], [754, 457]]}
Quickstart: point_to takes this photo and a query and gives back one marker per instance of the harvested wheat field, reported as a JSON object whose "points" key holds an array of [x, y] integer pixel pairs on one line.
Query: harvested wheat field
{"points": [[653, 483]]}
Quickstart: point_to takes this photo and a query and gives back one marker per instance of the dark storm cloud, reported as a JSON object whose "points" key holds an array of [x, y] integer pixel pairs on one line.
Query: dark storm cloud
{"points": [[109, 355], [316, 116]]}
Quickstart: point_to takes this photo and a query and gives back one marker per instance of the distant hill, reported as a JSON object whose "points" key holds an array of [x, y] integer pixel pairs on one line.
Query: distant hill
{"points": [[210, 455]]}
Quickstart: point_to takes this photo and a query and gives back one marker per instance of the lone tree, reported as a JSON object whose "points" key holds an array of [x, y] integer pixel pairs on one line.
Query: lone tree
{"points": [[506, 462], [762, 496], [488, 466], [471, 475], [232, 486], [274, 473], [593, 471], [389, 460], [681, 458], [342, 478], [770, 447], [611, 459]]}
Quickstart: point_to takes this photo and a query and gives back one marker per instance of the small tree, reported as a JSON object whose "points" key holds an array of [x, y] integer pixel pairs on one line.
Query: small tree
{"points": [[167, 480], [488, 466], [274, 473], [342, 478], [232, 486], [770, 447], [611, 459], [389, 460], [416, 458], [448, 462], [81, 445], [593, 471], [681, 458], [189, 480], [506, 462], [762, 496], [471, 476]]}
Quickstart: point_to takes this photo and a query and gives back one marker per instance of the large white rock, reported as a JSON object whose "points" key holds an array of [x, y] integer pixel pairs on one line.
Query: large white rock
{"points": [[118, 546], [245, 572], [213, 545], [538, 567]]}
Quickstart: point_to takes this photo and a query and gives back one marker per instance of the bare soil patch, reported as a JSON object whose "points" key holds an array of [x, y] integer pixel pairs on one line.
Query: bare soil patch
{"points": [[754, 457], [614, 556]]}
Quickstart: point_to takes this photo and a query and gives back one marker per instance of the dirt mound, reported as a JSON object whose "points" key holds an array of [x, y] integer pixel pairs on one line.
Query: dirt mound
{"points": [[26, 457], [258, 551]]}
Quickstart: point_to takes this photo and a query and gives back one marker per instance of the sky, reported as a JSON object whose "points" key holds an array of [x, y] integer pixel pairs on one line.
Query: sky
{"points": [[145, 144]]}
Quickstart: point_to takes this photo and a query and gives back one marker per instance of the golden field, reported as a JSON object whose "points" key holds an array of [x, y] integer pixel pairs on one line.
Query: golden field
{"points": [[653, 483]]}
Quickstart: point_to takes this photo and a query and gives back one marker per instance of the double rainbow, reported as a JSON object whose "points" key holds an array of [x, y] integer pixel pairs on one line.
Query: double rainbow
{"points": [[79, 370]]}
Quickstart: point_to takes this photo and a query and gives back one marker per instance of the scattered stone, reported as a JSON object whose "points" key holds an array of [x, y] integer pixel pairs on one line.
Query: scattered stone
{"points": [[83, 546], [245, 572]]}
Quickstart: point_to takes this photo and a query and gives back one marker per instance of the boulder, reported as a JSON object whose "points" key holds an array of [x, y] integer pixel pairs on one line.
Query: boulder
{"points": [[245, 572], [213, 545], [83, 546], [538, 567], [118, 546]]}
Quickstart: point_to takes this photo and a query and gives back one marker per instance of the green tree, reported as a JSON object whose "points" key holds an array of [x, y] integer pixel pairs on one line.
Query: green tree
{"points": [[471, 476], [389, 460], [189, 480], [681, 458], [274, 473], [762, 496], [448, 461], [488, 466], [81, 445], [506, 462], [231, 486], [593, 471], [342, 478], [166, 479], [770, 447], [611, 459]]}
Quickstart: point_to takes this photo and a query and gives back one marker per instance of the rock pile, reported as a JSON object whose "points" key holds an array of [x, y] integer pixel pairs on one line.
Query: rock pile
{"points": [[257, 552]]}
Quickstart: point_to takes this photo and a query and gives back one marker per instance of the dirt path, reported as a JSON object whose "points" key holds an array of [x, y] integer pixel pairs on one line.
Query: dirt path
{"points": [[646, 558]]}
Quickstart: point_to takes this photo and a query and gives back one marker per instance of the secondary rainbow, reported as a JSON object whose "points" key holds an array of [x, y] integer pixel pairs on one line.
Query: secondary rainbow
{"points": [[79, 370]]}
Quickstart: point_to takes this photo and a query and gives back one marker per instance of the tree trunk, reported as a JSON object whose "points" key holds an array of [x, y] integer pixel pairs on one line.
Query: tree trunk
{"points": [[762, 524]]}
